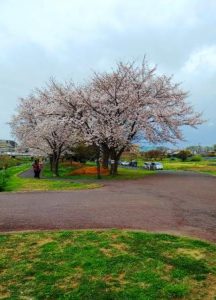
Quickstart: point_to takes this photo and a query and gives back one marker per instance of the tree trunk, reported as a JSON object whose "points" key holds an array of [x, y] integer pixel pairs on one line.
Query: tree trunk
{"points": [[98, 163], [105, 157], [98, 169], [55, 164], [56, 168], [114, 161], [51, 162], [114, 167]]}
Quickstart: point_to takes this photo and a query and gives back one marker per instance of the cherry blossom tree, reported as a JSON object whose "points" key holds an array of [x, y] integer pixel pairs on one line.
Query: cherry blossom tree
{"points": [[133, 101], [38, 126], [78, 113], [109, 112]]}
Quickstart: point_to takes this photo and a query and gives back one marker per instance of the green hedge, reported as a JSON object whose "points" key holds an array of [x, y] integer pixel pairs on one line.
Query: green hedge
{"points": [[3, 180]]}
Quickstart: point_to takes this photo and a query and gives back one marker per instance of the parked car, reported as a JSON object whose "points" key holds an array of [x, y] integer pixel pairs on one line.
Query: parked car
{"points": [[153, 166], [156, 166], [133, 163], [147, 165], [125, 163]]}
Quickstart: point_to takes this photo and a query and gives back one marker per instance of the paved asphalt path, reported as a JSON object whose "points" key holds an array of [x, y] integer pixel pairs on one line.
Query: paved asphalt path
{"points": [[181, 203]]}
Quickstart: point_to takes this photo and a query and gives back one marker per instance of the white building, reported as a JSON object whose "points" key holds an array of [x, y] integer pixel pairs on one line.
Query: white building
{"points": [[7, 146]]}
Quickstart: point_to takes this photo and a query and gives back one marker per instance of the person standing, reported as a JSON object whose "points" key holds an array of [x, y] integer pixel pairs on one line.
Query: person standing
{"points": [[37, 169]]}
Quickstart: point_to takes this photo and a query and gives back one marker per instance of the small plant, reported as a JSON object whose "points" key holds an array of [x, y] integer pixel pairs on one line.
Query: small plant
{"points": [[196, 158], [184, 155], [3, 179], [173, 291], [172, 158]]}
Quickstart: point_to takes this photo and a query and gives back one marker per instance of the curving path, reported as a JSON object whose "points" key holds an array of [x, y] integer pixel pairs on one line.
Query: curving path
{"points": [[174, 203]]}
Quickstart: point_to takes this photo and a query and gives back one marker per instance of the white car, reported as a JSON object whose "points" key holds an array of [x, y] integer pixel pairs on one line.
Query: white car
{"points": [[153, 166], [125, 163], [156, 166], [147, 165]]}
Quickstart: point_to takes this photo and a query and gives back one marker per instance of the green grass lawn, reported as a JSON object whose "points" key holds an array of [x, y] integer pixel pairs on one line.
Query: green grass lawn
{"points": [[123, 173], [105, 265], [204, 166], [127, 173], [15, 183]]}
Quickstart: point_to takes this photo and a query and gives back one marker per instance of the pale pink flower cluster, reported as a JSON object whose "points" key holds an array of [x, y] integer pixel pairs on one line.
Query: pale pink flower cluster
{"points": [[109, 111]]}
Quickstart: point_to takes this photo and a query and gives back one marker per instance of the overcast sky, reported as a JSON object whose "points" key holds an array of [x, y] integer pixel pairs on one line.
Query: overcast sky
{"points": [[68, 39]]}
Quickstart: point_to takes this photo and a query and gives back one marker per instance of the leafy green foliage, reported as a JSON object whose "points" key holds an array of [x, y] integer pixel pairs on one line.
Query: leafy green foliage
{"points": [[154, 155], [83, 153], [196, 158], [7, 161], [184, 154], [3, 179]]}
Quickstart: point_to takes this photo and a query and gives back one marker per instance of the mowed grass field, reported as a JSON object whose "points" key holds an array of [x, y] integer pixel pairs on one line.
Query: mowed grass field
{"points": [[66, 171], [110, 264], [204, 166], [15, 183]]}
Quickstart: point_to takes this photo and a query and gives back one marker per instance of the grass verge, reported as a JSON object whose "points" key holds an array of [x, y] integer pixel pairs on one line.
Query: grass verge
{"points": [[123, 173], [15, 183], [204, 166], [105, 265]]}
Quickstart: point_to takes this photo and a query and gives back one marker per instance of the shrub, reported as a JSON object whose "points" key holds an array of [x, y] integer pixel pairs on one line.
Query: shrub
{"points": [[184, 154], [172, 158], [2, 180], [154, 154], [196, 158], [6, 161]]}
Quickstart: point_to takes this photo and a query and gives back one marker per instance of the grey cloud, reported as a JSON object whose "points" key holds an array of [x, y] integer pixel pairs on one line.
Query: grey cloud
{"points": [[46, 38]]}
